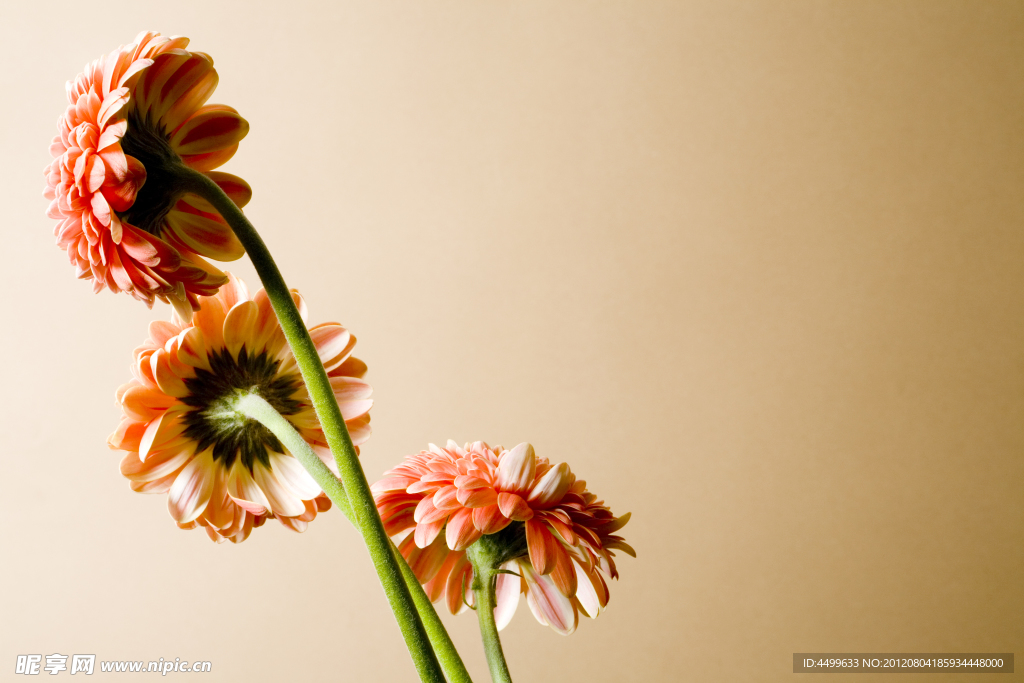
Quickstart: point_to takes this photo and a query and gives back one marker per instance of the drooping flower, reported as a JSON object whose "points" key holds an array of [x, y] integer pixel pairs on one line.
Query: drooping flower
{"points": [[135, 115], [553, 533], [222, 471]]}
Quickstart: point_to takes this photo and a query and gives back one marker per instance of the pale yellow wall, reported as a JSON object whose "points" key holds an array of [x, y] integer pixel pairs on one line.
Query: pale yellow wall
{"points": [[755, 270]]}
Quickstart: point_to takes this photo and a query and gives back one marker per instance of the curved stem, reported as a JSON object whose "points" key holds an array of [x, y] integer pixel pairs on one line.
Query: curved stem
{"points": [[364, 512], [484, 580], [257, 408]]}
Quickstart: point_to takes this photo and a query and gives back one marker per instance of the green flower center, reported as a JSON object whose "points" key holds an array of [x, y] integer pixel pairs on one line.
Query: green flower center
{"points": [[213, 421]]}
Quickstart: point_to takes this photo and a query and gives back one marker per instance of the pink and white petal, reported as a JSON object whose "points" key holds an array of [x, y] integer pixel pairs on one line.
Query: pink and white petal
{"points": [[350, 388], [331, 341], [514, 507], [353, 410], [244, 490], [289, 472], [507, 590], [161, 465], [282, 500], [548, 604], [591, 591], [191, 491], [516, 469], [551, 487]]}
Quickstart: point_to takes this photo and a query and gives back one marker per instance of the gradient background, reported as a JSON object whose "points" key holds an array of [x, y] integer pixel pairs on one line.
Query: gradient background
{"points": [[755, 270]]}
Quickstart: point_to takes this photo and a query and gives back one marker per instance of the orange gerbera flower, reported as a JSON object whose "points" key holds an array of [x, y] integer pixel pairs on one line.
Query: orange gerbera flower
{"points": [[552, 533], [222, 471], [134, 116]]}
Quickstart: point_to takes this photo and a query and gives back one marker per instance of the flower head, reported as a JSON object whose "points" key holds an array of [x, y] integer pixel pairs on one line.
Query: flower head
{"points": [[538, 519], [135, 115], [223, 471]]}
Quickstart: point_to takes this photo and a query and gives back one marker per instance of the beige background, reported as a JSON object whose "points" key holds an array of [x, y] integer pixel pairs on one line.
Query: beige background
{"points": [[753, 269]]}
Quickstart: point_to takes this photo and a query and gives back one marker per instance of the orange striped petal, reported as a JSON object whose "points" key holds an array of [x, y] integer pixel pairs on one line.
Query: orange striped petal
{"points": [[191, 491], [514, 507], [206, 236], [489, 520], [460, 533], [211, 160], [542, 546], [211, 129], [238, 325]]}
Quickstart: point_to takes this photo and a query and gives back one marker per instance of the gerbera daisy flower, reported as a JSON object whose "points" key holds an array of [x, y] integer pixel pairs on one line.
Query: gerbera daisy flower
{"points": [[221, 470], [135, 116], [552, 538]]}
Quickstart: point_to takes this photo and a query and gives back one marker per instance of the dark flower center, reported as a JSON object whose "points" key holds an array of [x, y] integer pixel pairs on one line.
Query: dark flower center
{"points": [[149, 143], [213, 421]]}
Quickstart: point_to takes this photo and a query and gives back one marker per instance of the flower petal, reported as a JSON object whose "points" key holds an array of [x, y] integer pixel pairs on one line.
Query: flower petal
{"points": [[489, 520], [211, 129], [516, 469], [542, 546], [460, 532], [552, 487], [191, 491], [205, 236], [514, 507], [507, 590], [548, 604]]}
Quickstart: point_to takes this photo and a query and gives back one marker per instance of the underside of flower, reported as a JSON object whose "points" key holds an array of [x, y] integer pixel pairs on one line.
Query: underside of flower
{"points": [[149, 143], [182, 435], [214, 423], [535, 525], [135, 119]]}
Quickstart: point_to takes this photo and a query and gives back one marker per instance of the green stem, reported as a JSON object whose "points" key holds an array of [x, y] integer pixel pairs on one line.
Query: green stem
{"points": [[484, 580], [364, 512], [257, 408]]}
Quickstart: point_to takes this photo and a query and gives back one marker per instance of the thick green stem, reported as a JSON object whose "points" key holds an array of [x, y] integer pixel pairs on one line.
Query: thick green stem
{"points": [[257, 408], [484, 580], [364, 512]]}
